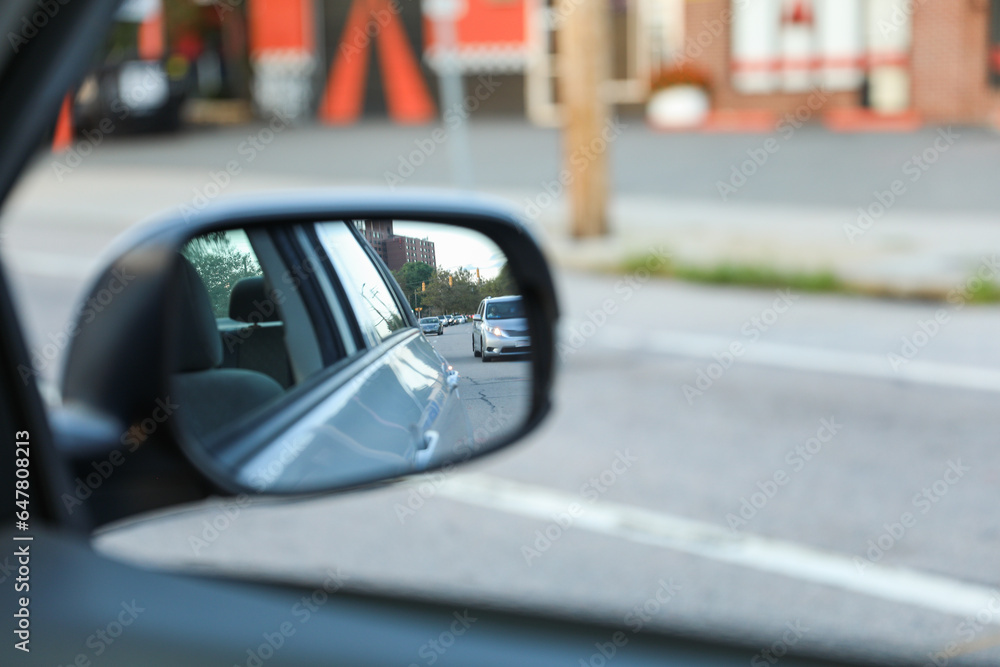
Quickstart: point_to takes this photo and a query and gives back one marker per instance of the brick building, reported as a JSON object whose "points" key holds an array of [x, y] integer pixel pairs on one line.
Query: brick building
{"points": [[885, 63], [396, 250], [890, 61]]}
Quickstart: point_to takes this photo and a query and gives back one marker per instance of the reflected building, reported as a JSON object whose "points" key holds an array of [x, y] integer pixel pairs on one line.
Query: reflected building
{"points": [[396, 250]]}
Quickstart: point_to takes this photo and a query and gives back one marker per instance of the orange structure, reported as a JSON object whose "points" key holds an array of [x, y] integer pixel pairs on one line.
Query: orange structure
{"points": [[407, 96], [63, 137], [487, 30], [152, 37], [279, 25]]}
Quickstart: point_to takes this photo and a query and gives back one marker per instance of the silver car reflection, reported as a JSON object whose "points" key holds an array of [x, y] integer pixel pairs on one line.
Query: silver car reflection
{"points": [[500, 328]]}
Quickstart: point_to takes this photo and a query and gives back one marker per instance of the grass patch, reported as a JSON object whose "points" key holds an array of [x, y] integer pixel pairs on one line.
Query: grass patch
{"points": [[749, 275], [757, 276], [744, 275], [982, 292]]}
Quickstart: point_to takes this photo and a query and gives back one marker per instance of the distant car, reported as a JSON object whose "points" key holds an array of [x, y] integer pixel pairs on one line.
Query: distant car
{"points": [[432, 325], [460, 319], [130, 96], [500, 328]]}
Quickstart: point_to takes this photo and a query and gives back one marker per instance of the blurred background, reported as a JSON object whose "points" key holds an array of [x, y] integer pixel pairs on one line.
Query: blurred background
{"points": [[774, 229]]}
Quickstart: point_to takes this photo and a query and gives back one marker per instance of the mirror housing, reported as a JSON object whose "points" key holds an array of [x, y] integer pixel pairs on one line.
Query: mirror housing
{"points": [[117, 368]]}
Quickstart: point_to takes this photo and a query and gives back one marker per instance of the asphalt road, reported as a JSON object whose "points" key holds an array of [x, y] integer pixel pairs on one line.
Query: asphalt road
{"points": [[757, 459], [812, 167], [498, 392]]}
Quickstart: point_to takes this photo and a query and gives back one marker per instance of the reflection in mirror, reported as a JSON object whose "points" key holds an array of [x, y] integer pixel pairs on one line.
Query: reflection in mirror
{"points": [[344, 352]]}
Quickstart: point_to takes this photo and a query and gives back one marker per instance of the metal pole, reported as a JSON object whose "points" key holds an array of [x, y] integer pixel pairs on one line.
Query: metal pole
{"points": [[450, 77]]}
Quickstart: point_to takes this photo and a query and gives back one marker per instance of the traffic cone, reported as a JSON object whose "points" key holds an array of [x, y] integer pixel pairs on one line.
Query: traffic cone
{"points": [[63, 137]]}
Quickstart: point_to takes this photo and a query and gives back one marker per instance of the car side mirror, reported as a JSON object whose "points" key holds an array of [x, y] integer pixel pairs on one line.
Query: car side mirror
{"points": [[477, 318], [281, 335]]}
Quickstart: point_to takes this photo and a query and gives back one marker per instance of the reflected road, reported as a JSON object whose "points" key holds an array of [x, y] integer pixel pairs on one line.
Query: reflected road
{"points": [[493, 393]]}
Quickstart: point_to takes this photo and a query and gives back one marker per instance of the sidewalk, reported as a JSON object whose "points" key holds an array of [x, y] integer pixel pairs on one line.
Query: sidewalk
{"points": [[901, 253]]}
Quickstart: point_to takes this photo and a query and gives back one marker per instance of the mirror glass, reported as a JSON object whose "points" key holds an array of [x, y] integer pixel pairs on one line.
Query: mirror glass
{"points": [[313, 357]]}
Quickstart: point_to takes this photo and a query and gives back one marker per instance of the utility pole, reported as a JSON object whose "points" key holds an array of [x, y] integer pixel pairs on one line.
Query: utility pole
{"points": [[445, 14], [584, 64]]}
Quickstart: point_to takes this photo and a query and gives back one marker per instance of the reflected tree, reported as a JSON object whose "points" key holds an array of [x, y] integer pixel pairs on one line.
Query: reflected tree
{"points": [[220, 263]]}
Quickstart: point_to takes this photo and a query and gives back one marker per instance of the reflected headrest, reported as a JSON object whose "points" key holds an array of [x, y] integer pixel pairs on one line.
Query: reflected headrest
{"points": [[199, 346], [249, 302]]}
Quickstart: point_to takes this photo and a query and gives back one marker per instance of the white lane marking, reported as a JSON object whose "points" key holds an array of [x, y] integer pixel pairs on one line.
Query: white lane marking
{"points": [[795, 357], [50, 264], [895, 584]]}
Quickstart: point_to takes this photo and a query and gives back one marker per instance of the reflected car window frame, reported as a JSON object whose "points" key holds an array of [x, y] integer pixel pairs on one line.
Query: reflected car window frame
{"points": [[305, 251], [337, 270]]}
